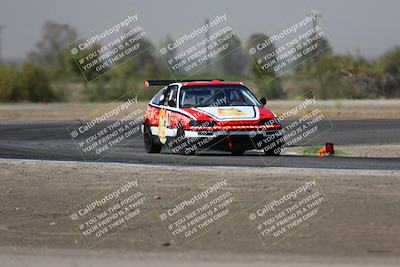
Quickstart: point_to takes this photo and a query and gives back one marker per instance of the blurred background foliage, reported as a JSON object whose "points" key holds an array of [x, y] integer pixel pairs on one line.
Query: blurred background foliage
{"points": [[50, 73]]}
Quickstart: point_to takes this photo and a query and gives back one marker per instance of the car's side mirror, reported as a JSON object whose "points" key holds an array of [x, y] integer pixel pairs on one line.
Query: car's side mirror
{"points": [[263, 101], [171, 103]]}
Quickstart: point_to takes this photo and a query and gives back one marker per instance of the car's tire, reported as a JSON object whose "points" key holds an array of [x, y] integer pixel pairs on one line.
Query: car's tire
{"points": [[238, 152], [273, 152], [149, 144], [180, 135]]}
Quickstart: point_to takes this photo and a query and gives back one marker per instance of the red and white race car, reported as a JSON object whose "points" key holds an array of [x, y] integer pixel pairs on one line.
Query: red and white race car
{"points": [[195, 115]]}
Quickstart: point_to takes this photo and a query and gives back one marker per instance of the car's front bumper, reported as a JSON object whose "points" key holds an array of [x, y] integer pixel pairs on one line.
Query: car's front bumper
{"points": [[195, 134], [236, 140]]}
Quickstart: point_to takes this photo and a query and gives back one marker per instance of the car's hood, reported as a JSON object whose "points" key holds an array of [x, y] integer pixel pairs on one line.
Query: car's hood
{"points": [[228, 113]]}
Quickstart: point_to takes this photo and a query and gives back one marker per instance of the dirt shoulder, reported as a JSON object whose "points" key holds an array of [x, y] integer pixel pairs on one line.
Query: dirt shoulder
{"points": [[364, 151], [332, 109], [35, 196]]}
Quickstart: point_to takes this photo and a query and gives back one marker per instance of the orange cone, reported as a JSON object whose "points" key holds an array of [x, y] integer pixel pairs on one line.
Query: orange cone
{"points": [[321, 152], [328, 149]]}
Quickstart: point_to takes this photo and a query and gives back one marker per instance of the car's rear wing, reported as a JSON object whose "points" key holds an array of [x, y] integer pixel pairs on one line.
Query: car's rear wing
{"points": [[149, 83]]}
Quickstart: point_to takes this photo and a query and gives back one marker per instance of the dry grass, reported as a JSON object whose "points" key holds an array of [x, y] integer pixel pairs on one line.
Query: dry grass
{"points": [[366, 151], [333, 109]]}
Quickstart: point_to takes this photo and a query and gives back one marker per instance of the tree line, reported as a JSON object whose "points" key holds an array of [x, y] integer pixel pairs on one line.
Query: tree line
{"points": [[49, 72]]}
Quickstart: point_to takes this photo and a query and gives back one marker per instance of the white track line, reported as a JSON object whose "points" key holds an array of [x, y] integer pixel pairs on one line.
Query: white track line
{"points": [[150, 166]]}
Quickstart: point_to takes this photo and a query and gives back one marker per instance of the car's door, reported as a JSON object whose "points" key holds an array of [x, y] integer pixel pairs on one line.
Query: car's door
{"points": [[167, 105], [153, 109]]}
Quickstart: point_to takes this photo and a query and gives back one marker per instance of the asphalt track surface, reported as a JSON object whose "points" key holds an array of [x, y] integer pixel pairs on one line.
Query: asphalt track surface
{"points": [[51, 141]]}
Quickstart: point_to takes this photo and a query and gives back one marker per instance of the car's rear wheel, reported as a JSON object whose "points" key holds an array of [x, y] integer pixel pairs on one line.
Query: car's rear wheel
{"points": [[238, 152], [149, 144]]}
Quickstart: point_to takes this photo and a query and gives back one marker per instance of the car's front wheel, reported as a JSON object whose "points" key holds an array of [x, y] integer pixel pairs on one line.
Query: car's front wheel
{"points": [[149, 144], [183, 146]]}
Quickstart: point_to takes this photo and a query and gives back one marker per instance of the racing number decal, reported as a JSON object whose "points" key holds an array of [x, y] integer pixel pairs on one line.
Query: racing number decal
{"points": [[162, 126]]}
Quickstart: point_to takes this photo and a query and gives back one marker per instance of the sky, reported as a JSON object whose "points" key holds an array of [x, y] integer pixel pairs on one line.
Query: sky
{"points": [[366, 26]]}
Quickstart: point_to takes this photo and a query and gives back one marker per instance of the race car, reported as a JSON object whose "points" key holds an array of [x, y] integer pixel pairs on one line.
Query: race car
{"points": [[197, 115]]}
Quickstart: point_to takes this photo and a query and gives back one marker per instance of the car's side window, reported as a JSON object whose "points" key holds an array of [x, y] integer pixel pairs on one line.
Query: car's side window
{"points": [[170, 94], [164, 97], [173, 94], [157, 98]]}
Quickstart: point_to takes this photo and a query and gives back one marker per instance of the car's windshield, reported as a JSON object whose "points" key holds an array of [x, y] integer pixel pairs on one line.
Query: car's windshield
{"points": [[221, 95]]}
